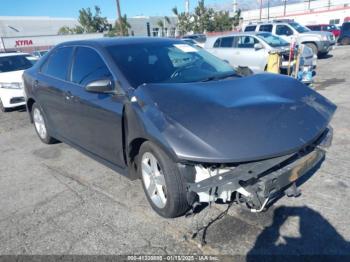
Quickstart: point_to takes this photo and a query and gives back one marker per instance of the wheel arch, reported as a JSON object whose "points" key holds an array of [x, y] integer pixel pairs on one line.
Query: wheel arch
{"points": [[29, 104]]}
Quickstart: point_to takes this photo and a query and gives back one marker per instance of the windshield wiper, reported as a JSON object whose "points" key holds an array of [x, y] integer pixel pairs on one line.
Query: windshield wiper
{"points": [[220, 77]]}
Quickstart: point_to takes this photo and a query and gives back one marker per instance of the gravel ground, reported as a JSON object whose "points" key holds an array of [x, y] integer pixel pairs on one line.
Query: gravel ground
{"points": [[54, 200]]}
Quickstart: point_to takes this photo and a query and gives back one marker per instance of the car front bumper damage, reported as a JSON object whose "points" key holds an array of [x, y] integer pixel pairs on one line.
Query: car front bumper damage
{"points": [[258, 183]]}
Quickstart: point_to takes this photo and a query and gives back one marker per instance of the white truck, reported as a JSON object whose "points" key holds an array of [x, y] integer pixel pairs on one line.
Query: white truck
{"points": [[320, 42]]}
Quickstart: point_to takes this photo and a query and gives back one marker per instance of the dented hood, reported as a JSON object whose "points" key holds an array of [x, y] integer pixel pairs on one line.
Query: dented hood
{"points": [[228, 121]]}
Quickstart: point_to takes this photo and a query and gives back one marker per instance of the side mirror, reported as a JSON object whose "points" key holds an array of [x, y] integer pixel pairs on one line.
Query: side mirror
{"points": [[100, 86], [258, 46]]}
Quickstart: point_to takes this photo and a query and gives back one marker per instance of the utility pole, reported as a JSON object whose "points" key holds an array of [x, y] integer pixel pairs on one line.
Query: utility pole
{"points": [[119, 14], [285, 7], [187, 6], [235, 6], [261, 4]]}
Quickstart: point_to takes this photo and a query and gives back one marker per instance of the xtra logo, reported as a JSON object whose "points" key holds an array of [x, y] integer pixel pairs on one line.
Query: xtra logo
{"points": [[24, 42]]}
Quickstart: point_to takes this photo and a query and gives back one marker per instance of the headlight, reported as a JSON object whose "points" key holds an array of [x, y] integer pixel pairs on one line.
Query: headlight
{"points": [[11, 85], [324, 37]]}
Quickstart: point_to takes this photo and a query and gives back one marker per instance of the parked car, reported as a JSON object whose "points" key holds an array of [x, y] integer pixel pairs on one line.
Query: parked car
{"points": [[39, 53], [320, 42], [192, 42], [180, 119], [325, 27], [344, 37], [199, 39], [252, 50], [12, 66]]}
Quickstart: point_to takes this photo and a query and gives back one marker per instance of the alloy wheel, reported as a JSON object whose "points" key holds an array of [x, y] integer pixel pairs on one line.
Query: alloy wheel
{"points": [[154, 180], [39, 123]]}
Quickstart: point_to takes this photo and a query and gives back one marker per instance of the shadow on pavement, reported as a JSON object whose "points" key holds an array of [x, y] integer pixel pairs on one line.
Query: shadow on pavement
{"points": [[316, 237]]}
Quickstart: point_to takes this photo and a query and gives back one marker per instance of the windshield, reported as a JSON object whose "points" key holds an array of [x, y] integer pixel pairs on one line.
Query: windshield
{"points": [[14, 63], [167, 62], [272, 40], [299, 28]]}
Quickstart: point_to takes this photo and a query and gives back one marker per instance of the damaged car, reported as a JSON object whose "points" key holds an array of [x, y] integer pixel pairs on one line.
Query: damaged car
{"points": [[180, 119]]}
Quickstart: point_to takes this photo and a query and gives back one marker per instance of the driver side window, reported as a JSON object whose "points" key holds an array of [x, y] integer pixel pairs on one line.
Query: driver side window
{"points": [[88, 66], [283, 30]]}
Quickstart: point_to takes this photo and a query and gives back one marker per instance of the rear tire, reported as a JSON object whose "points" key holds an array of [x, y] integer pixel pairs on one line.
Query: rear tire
{"points": [[162, 182], [345, 41], [40, 125]]}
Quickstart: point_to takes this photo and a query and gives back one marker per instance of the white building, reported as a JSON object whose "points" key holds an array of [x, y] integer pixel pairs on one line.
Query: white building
{"points": [[27, 34], [307, 12]]}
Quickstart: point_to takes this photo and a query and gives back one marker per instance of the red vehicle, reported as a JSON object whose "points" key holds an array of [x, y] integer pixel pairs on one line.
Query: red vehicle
{"points": [[325, 27]]}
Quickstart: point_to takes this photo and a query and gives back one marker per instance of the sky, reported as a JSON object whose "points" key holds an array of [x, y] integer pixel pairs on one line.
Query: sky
{"points": [[70, 8]]}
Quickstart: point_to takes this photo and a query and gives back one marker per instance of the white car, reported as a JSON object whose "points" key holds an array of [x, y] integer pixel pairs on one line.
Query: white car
{"points": [[12, 66], [252, 50]]}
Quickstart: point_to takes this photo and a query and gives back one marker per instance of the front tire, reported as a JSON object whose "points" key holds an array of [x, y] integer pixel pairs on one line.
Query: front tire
{"points": [[40, 125], [162, 182], [313, 47]]}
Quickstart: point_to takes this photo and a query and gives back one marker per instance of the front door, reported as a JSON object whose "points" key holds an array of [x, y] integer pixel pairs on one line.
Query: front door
{"points": [[246, 55], [97, 125]]}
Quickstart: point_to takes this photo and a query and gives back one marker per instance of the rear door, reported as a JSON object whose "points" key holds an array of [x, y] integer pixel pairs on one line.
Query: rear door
{"points": [[51, 90], [97, 124], [223, 49]]}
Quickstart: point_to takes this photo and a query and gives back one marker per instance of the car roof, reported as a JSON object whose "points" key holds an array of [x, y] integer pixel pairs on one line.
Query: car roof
{"points": [[111, 41], [12, 54]]}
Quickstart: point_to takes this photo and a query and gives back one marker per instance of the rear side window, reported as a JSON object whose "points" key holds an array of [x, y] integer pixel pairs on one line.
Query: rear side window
{"points": [[57, 64], [250, 28], [265, 28], [226, 42], [88, 66]]}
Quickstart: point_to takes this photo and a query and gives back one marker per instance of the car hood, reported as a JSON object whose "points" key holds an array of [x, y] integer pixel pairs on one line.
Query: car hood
{"points": [[12, 77], [230, 121]]}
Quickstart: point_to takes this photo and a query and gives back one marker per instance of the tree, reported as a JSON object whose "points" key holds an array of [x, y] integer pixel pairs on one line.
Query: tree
{"points": [[88, 23], [93, 23], [122, 26], [161, 23], [65, 30], [202, 18], [237, 18], [222, 22], [184, 24]]}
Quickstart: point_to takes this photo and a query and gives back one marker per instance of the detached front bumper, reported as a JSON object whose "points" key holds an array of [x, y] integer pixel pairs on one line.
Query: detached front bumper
{"points": [[259, 182]]}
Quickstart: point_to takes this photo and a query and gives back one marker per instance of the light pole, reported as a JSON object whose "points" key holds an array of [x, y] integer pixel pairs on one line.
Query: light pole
{"points": [[285, 7], [260, 9], [268, 10]]}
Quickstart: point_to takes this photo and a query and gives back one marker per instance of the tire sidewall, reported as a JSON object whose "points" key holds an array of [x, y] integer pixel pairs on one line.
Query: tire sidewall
{"points": [[169, 168]]}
